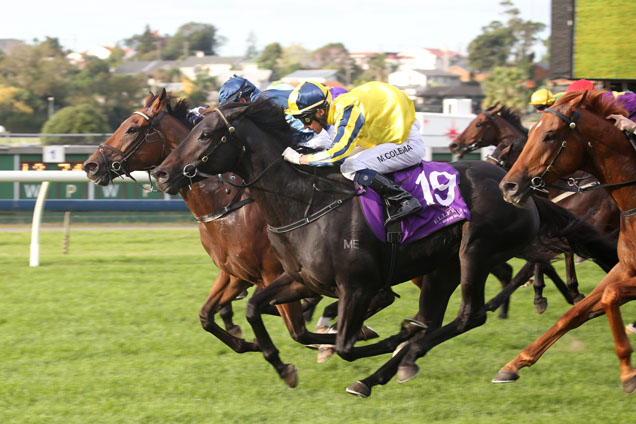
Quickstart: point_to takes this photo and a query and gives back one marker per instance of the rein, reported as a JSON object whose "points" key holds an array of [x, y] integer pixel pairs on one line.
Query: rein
{"points": [[477, 144], [118, 167], [191, 170], [538, 183], [233, 206]]}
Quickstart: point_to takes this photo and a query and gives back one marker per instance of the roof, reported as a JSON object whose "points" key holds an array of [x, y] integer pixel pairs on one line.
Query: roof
{"points": [[462, 90], [211, 60], [327, 74], [435, 73], [144, 66]]}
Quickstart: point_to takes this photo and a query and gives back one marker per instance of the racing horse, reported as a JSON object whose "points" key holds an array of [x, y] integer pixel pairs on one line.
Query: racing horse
{"points": [[499, 126], [573, 134], [322, 211], [231, 227]]}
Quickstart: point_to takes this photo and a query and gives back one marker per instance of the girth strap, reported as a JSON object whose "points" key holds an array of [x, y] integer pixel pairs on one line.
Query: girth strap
{"points": [[223, 211]]}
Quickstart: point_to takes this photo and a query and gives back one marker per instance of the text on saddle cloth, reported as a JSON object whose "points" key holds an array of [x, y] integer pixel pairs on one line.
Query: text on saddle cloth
{"points": [[436, 186]]}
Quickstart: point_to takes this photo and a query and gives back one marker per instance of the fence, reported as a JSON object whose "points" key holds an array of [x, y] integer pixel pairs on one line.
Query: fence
{"points": [[38, 206]]}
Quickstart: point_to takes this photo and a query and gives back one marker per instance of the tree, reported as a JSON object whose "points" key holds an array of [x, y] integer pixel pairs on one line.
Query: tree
{"points": [[378, 70], [251, 51], [491, 48], [506, 85], [269, 59], [74, 120], [191, 37], [146, 45], [38, 71], [198, 91]]}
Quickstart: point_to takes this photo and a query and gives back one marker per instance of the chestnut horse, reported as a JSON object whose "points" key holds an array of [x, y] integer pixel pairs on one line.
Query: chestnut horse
{"points": [[231, 227], [499, 126], [249, 138], [573, 134]]}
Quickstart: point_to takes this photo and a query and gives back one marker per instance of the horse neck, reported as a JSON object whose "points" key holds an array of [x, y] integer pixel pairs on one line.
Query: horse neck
{"points": [[174, 131], [507, 131], [281, 192], [611, 158]]}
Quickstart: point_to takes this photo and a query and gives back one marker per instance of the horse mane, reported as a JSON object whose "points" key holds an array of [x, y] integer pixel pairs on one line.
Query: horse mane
{"points": [[178, 111], [511, 117], [596, 101], [267, 115]]}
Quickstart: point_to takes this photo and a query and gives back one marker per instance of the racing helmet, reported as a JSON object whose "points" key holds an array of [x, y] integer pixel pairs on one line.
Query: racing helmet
{"points": [[237, 88], [305, 99], [542, 97]]}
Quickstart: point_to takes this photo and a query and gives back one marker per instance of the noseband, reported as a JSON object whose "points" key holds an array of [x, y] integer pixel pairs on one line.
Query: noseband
{"points": [[538, 183], [118, 166]]}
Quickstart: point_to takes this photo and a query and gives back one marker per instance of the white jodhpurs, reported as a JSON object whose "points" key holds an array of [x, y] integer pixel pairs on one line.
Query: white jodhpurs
{"points": [[387, 157]]}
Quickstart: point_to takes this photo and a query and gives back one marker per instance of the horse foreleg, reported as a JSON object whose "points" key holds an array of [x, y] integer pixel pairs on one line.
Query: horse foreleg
{"points": [[588, 308], [572, 282], [227, 314], [540, 302], [613, 297], [519, 279], [224, 290]]}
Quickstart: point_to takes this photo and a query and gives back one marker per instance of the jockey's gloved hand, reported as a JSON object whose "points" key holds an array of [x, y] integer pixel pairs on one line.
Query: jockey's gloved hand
{"points": [[291, 155], [195, 115]]}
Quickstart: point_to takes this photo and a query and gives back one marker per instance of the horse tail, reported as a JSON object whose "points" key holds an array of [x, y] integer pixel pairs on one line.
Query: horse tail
{"points": [[561, 231]]}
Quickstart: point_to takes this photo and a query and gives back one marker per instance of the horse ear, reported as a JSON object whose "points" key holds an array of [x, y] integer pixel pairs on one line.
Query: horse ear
{"points": [[149, 97], [159, 102], [582, 100], [496, 109]]}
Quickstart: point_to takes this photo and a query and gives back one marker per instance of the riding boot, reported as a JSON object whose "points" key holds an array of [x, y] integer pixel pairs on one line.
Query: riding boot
{"points": [[399, 202]]}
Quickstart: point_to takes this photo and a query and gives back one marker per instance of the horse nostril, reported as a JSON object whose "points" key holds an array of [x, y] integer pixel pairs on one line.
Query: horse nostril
{"points": [[160, 175], [510, 188], [90, 167], [453, 146]]}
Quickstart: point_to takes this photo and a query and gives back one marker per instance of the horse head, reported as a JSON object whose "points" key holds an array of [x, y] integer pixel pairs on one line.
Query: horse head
{"points": [[138, 144], [480, 132], [557, 145], [213, 146]]}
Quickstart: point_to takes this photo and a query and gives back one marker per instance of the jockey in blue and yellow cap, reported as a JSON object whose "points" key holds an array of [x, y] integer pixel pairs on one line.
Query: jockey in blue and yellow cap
{"points": [[374, 120]]}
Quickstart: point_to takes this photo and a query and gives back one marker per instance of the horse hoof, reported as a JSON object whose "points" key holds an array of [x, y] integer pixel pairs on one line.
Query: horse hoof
{"points": [[407, 372], [312, 346], [368, 333], [412, 326], [321, 329], [503, 315], [630, 329], [290, 375], [325, 352], [359, 389], [541, 305], [504, 376], [629, 386], [235, 331], [399, 348], [578, 298]]}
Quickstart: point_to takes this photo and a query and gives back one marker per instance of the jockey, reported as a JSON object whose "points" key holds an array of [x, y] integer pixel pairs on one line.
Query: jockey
{"points": [[239, 89], [376, 133], [541, 99]]}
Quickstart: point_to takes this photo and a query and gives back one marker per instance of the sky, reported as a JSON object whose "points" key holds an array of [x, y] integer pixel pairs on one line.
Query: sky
{"points": [[361, 25]]}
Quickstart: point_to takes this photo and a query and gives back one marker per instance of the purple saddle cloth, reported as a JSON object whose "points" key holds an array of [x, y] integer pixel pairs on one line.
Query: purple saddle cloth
{"points": [[435, 185]]}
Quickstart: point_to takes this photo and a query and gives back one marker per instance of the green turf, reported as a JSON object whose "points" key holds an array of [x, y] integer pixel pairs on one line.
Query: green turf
{"points": [[109, 333]]}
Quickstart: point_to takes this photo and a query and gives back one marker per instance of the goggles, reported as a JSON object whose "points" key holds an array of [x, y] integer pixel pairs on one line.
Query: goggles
{"points": [[306, 117], [541, 108]]}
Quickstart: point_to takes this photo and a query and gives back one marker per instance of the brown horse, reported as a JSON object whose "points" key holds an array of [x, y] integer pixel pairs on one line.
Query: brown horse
{"points": [[574, 134], [232, 229], [500, 126]]}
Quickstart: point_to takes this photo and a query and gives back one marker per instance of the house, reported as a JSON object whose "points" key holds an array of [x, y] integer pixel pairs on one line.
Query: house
{"points": [[361, 59], [211, 66], [431, 99], [7, 44], [144, 66], [411, 80], [428, 59]]}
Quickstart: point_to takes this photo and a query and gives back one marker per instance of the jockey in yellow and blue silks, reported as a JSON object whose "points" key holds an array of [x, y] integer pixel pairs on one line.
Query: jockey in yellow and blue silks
{"points": [[376, 132]]}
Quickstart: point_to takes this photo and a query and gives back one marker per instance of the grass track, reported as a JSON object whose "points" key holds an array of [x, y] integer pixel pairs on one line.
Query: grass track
{"points": [[110, 334]]}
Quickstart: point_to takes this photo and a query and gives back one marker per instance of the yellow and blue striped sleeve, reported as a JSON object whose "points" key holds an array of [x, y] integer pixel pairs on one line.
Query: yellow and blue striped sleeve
{"points": [[347, 129]]}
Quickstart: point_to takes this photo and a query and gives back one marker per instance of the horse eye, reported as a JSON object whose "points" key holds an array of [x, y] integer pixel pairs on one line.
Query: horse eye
{"points": [[549, 136], [132, 130], [206, 135], [478, 124]]}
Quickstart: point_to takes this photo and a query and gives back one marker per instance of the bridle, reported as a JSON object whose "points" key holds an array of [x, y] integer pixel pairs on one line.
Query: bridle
{"points": [[191, 170], [118, 167], [490, 122], [539, 183]]}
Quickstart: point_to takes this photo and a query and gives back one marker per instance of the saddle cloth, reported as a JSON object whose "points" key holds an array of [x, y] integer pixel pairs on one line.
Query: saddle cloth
{"points": [[435, 185]]}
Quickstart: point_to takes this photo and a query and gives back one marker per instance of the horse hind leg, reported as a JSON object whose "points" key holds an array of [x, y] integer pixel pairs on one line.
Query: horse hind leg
{"points": [[540, 302], [571, 278], [503, 272], [227, 314], [615, 295]]}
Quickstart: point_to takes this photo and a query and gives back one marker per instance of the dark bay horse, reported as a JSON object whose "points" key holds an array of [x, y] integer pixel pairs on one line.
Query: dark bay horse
{"points": [[573, 134], [499, 126], [248, 139], [231, 227]]}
